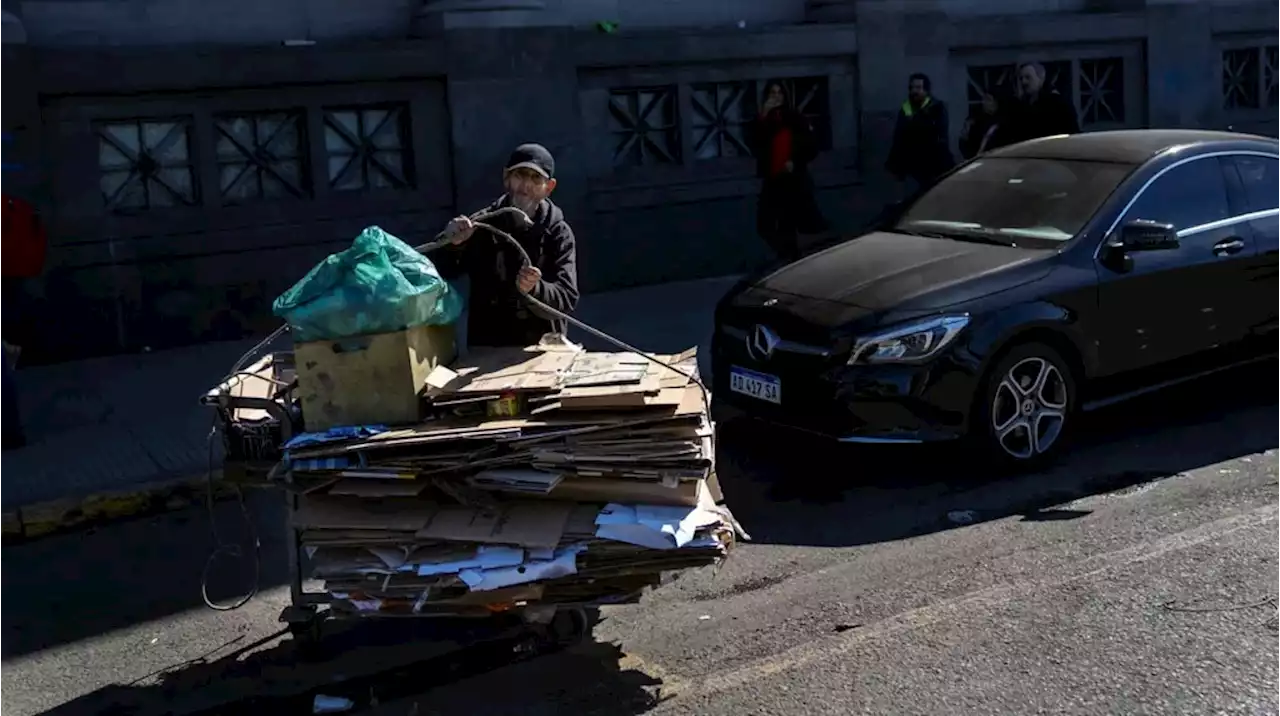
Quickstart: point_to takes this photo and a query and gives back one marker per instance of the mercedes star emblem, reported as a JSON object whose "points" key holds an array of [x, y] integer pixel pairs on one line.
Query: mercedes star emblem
{"points": [[761, 343], [770, 302]]}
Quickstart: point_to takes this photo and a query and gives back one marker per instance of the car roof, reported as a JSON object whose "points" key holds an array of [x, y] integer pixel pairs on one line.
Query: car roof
{"points": [[1132, 146]]}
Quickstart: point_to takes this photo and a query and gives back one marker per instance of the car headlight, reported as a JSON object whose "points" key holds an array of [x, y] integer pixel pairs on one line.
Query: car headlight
{"points": [[910, 343]]}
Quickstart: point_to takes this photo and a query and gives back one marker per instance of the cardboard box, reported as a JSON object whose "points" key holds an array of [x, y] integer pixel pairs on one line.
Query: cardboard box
{"points": [[370, 380], [685, 493]]}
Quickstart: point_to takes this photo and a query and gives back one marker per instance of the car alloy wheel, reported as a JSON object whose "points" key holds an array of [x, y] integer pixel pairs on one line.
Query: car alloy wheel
{"points": [[1029, 408]]}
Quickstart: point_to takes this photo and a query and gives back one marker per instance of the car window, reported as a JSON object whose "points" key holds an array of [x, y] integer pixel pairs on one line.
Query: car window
{"points": [[1016, 198], [1188, 195], [1261, 177]]}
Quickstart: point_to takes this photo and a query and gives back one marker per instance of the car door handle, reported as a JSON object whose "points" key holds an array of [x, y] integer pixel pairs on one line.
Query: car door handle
{"points": [[1227, 247]]}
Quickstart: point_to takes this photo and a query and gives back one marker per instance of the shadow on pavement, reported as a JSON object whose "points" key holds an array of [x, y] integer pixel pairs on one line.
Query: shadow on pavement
{"points": [[795, 489], [71, 587], [584, 681], [386, 667], [786, 489]]}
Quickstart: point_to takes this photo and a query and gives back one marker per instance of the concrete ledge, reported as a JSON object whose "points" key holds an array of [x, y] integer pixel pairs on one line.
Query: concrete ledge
{"points": [[82, 513]]}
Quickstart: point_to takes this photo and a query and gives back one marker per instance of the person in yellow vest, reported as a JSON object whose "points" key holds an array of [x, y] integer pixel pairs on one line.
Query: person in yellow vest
{"points": [[921, 148]]}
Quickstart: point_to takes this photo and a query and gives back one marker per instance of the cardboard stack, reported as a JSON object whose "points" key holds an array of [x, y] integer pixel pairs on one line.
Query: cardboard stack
{"points": [[540, 476]]}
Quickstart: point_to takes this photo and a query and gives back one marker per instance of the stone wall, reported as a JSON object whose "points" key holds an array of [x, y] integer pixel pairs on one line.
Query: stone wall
{"points": [[63, 23], [270, 157]]}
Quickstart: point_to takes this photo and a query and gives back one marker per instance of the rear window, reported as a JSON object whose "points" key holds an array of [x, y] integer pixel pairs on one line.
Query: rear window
{"points": [[1016, 198], [1261, 181]]}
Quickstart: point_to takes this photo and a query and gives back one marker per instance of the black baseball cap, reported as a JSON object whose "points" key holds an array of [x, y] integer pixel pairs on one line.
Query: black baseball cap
{"points": [[535, 157]]}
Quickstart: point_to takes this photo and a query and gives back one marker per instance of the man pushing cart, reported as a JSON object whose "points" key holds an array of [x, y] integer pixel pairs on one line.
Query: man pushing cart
{"points": [[525, 476]]}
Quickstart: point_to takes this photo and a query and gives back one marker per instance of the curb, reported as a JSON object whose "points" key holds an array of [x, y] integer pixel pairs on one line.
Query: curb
{"points": [[85, 513]]}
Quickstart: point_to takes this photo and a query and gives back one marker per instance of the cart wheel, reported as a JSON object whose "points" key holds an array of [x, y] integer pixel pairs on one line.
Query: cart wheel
{"points": [[306, 635], [569, 627]]}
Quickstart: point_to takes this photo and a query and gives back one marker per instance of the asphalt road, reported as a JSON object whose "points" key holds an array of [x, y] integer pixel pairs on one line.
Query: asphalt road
{"points": [[1138, 576]]}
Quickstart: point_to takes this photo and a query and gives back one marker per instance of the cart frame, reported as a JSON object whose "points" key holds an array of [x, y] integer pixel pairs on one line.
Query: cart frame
{"points": [[557, 625], [305, 608]]}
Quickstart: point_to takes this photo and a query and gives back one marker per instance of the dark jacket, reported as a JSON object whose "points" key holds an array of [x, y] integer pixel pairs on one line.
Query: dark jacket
{"points": [[17, 319], [762, 131], [498, 315], [1049, 114], [921, 146]]}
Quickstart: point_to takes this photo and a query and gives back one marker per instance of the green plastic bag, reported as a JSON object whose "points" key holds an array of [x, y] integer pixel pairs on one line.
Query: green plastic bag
{"points": [[379, 285]]}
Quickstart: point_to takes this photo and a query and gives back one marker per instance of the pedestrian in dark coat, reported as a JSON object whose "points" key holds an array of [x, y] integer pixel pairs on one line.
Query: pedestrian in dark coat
{"points": [[982, 128], [921, 148], [783, 143], [25, 244], [1039, 111]]}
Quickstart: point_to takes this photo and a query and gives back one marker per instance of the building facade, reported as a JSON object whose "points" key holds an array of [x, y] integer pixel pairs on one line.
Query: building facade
{"points": [[192, 159]]}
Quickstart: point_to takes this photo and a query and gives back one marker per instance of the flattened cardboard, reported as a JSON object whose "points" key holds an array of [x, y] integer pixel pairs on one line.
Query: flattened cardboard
{"points": [[511, 430], [646, 381], [339, 513], [506, 369], [524, 524], [522, 480], [598, 369], [582, 522], [361, 487], [598, 489], [713, 488], [441, 380]]}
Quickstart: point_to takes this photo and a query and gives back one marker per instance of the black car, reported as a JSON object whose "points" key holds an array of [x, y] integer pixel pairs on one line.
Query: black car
{"points": [[1026, 285]]}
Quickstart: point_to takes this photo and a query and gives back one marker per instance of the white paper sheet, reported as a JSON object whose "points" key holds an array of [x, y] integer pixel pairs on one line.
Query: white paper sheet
{"points": [[541, 553], [486, 557], [562, 564], [652, 526]]}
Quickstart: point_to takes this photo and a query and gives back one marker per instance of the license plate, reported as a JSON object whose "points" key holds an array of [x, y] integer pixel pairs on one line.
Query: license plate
{"points": [[756, 385]]}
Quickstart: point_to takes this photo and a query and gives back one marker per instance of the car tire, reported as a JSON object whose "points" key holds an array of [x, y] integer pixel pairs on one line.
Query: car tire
{"points": [[1025, 409]]}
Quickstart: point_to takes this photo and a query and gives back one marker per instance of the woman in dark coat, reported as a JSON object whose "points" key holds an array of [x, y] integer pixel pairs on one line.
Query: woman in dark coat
{"points": [[982, 128], [783, 143]]}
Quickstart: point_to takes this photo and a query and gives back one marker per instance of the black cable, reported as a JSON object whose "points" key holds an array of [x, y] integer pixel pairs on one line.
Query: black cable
{"points": [[229, 549], [222, 548], [244, 357]]}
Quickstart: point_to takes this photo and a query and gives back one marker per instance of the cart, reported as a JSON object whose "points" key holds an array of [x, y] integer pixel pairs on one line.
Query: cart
{"points": [[256, 413]]}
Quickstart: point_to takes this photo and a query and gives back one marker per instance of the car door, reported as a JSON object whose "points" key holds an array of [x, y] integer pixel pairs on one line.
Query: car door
{"points": [[1169, 305], [1259, 201]]}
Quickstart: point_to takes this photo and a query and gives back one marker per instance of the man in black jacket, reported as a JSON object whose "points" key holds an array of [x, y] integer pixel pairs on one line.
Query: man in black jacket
{"points": [[1040, 111], [921, 148], [499, 315]]}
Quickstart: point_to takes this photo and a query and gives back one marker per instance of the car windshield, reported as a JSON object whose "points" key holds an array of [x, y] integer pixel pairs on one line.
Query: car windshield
{"points": [[1014, 200]]}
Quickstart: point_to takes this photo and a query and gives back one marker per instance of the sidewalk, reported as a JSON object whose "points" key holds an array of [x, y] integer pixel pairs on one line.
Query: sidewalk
{"points": [[125, 424]]}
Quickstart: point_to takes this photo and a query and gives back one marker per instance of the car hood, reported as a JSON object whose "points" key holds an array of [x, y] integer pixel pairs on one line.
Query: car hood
{"points": [[884, 271]]}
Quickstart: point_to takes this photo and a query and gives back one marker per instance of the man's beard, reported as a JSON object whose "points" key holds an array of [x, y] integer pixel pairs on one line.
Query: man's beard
{"points": [[526, 204]]}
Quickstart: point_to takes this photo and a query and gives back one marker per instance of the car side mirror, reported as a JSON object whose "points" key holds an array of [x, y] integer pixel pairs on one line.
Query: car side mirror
{"points": [[1133, 237], [1143, 235]]}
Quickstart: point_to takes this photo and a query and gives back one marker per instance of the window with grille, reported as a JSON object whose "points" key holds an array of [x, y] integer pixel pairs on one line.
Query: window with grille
{"points": [[645, 124], [808, 96], [1249, 78], [261, 156], [367, 147], [146, 164], [1095, 86], [722, 112]]}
